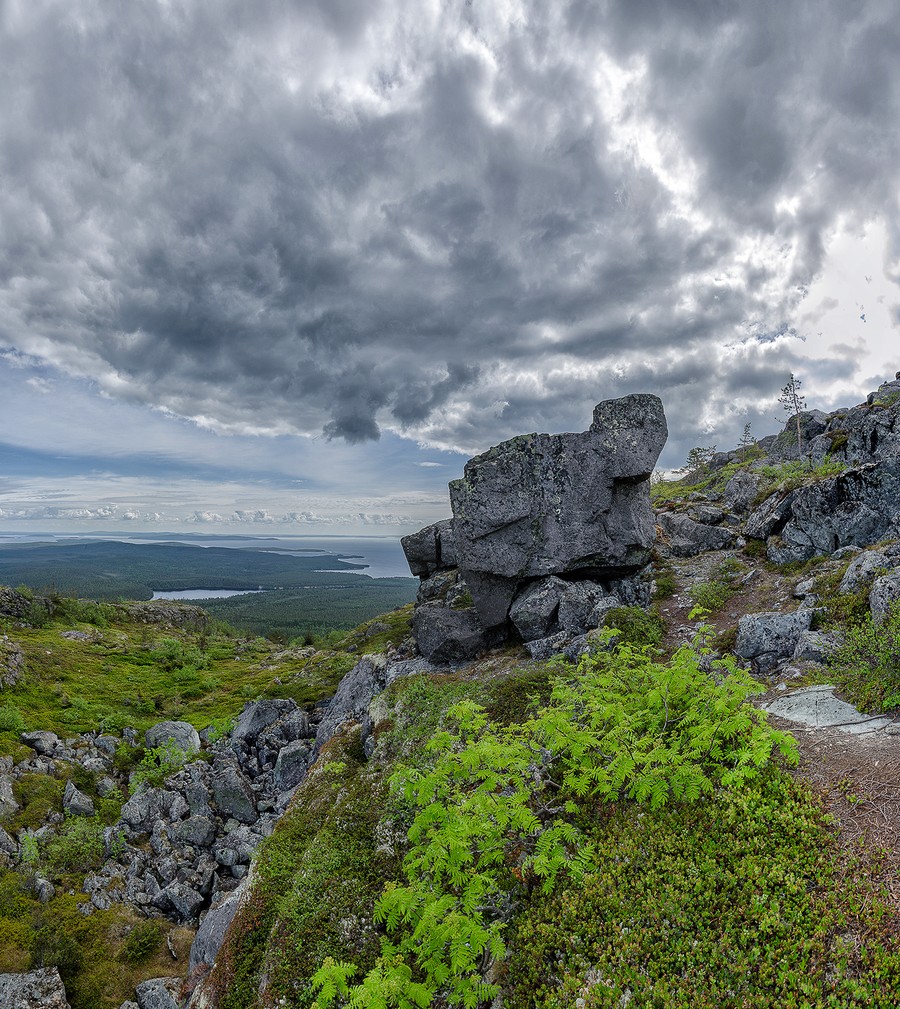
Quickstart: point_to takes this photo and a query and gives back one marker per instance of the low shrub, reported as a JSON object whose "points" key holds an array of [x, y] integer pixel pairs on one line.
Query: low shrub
{"points": [[867, 664], [636, 626], [11, 719]]}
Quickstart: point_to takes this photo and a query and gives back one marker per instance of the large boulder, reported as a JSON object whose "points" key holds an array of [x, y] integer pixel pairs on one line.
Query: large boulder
{"points": [[40, 989], [258, 716], [430, 549], [542, 504]]}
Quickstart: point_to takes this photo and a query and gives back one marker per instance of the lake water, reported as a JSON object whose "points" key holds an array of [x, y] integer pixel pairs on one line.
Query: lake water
{"points": [[205, 593]]}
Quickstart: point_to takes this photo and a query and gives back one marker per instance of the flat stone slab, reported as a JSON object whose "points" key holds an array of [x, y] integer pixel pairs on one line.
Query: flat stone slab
{"points": [[818, 708]]}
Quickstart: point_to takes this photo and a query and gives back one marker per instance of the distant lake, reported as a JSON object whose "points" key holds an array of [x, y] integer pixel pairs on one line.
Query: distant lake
{"points": [[205, 593]]}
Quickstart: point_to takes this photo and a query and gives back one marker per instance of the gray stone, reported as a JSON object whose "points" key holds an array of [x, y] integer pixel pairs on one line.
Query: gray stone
{"points": [[198, 831], [149, 806], [855, 508], [182, 734], [211, 933], [41, 741], [106, 786], [231, 791], [184, 899], [683, 537], [44, 890], [544, 648], [14, 604], [446, 636], [77, 803], [258, 716], [885, 593], [819, 708], [813, 646], [7, 843], [577, 604], [741, 491], [771, 633], [534, 610], [12, 662], [770, 517], [863, 568], [292, 763], [437, 586], [159, 993], [430, 549], [39, 989], [553, 504], [8, 804]]}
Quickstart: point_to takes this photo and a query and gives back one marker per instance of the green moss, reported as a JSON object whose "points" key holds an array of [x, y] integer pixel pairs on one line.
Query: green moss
{"points": [[728, 903]]}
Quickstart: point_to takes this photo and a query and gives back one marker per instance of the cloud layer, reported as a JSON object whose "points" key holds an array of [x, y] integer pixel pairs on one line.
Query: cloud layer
{"points": [[454, 221]]}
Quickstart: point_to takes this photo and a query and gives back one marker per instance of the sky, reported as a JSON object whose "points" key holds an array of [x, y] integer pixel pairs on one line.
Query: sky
{"points": [[284, 266]]}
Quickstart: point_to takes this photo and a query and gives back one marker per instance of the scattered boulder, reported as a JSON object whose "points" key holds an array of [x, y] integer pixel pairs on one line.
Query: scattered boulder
{"points": [[76, 803], [159, 993], [430, 549], [770, 636], [813, 646], [445, 635], [257, 716], [741, 491], [41, 741], [535, 608], [12, 662], [182, 734], [231, 791], [39, 989], [8, 804], [684, 537], [291, 766], [770, 517], [857, 507], [14, 604]]}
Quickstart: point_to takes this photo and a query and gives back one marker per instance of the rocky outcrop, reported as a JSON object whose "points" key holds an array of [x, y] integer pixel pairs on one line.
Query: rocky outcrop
{"points": [[857, 507], [40, 989], [531, 516]]}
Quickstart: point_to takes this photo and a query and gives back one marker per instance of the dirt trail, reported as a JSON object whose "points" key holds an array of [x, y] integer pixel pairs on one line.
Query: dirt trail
{"points": [[856, 776]]}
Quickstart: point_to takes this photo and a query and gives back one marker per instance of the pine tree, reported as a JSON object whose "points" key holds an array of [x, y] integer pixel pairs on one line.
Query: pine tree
{"points": [[794, 403]]}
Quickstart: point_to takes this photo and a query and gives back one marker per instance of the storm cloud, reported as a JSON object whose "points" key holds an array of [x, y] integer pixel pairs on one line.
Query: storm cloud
{"points": [[453, 221]]}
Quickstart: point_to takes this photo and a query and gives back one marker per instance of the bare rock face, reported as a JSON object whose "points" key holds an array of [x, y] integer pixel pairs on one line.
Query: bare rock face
{"points": [[571, 506]]}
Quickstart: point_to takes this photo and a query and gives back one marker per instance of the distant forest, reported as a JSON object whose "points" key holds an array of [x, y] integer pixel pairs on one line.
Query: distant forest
{"points": [[299, 599]]}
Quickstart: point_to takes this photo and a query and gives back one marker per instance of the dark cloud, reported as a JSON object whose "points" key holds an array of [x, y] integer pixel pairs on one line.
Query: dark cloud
{"points": [[316, 217]]}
